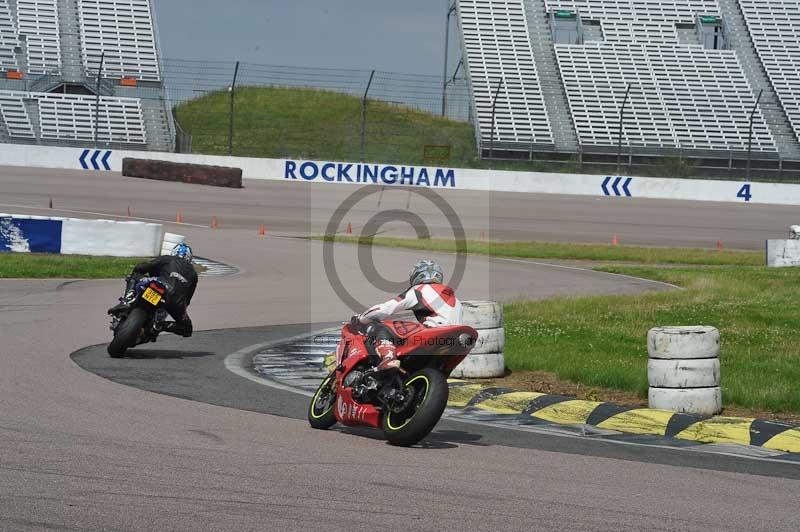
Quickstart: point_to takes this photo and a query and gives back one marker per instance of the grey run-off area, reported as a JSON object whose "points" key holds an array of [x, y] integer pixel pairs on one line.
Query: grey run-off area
{"points": [[83, 452]]}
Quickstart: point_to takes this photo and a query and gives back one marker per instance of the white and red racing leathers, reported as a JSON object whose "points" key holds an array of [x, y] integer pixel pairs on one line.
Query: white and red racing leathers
{"points": [[434, 305]]}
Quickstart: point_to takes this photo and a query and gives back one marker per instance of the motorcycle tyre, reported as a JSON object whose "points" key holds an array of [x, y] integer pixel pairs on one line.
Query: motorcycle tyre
{"points": [[327, 419], [127, 332], [427, 415]]}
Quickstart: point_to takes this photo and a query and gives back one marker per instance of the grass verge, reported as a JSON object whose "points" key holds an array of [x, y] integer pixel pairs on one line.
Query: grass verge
{"points": [[51, 266], [599, 343], [559, 251], [47, 266]]}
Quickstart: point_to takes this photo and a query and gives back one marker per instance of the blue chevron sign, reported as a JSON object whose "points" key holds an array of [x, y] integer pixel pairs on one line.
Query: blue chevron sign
{"points": [[93, 159], [615, 186]]}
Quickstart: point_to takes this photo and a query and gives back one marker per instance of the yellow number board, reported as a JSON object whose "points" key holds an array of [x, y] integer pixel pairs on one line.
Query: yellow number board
{"points": [[151, 296]]}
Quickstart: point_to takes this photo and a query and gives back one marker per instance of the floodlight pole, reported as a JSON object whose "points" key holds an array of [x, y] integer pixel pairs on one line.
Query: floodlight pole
{"points": [[364, 116], [230, 117], [494, 107], [97, 102], [750, 133], [450, 10], [619, 135]]}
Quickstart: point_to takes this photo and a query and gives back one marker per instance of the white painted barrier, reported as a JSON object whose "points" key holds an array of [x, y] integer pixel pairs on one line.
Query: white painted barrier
{"points": [[783, 253], [110, 238], [683, 370], [73, 236], [336, 172]]}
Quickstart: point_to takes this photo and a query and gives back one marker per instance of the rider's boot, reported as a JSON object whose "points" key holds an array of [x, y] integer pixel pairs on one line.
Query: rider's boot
{"points": [[388, 353]]}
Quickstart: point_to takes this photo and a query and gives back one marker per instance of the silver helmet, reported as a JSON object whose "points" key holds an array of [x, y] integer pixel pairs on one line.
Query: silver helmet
{"points": [[426, 272]]}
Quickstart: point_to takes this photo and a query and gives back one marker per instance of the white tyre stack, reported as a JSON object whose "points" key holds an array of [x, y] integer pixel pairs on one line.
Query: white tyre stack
{"points": [[170, 241], [683, 370], [486, 358]]}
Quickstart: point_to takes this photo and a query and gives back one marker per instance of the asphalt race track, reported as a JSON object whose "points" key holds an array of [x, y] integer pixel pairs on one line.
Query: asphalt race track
{"points": [[213, 451]]}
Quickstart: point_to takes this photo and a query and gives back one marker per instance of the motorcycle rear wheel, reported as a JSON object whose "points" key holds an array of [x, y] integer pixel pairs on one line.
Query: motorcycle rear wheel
{"points": [[320, 411], [127, 332], [417, 420]]}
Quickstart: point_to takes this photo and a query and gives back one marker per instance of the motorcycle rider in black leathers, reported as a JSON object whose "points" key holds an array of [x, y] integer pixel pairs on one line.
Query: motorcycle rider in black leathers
{"points": [[175, 271]]}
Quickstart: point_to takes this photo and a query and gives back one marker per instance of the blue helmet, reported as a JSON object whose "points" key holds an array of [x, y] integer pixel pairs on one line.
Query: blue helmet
{"points": [[183, 251]]}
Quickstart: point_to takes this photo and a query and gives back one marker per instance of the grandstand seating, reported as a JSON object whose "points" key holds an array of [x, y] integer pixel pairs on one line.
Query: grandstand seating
{"points": [[774, 27], [497, 47], [123, 29], [683, 11], [37, 20], [8, 38], [72, 117], [681, 97], [15, 116]]}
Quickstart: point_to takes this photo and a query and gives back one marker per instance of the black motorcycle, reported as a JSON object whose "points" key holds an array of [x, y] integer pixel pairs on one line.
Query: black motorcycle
{"points": [[140, 316]]}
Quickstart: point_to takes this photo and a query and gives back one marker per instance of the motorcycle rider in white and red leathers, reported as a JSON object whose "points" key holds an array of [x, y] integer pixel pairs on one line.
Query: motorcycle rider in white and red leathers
{"points": [[433, 303]]}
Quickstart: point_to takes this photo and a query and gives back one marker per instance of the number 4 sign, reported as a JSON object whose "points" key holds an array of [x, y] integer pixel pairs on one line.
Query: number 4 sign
{"points": [[744, 193]]}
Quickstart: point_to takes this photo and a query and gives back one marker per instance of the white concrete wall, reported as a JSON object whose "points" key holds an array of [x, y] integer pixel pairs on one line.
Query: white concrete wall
{"points": [[783, 253], [110, 238], [441, 178], [102, 237]]}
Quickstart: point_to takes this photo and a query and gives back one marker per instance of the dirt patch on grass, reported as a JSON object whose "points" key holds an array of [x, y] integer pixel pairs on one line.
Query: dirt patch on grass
{"points": [[545, 382]]}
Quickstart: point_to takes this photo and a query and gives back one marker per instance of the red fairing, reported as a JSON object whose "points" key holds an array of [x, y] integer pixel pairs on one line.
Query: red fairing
{"points": [[413, 339], [349, 412]]}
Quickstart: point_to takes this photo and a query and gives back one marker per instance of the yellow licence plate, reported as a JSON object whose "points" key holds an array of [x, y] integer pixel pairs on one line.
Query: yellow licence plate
{"points": [[151, 296]]}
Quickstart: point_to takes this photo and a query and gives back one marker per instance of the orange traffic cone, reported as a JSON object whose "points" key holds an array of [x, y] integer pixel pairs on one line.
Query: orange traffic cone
{"points": [[262, 231], [719, 245], [179, 217], [214, 222], [615, 240], [349, 228]]}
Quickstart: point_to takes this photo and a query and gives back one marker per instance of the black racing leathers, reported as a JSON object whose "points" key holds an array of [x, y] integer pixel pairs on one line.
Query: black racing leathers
{"points": [[181, 278]]}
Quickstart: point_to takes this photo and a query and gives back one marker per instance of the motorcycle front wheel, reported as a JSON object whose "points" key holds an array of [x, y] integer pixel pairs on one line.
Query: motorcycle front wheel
{"points": [[320, 411], [127, 332], [407, 424]]}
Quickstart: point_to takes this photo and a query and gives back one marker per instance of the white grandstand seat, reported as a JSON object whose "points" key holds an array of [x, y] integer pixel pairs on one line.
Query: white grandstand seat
{"points": [[123, 29], [71, 117], [38, 21], [683, 11], [595, 77], [498, 47], [640, 20], [8, 38], [681, 97], [15, 116], [774, 26]]}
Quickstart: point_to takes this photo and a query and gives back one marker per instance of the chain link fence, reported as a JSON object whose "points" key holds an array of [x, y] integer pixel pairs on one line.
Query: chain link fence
{"points": [[256, 110]]}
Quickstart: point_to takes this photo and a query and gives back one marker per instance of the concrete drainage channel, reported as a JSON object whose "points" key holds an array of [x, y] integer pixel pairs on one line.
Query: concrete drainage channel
{"points": [[300, 364]]}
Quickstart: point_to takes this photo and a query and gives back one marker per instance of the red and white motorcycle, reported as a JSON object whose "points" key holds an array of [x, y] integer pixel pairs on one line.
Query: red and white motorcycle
{"points": [[406, 403]]}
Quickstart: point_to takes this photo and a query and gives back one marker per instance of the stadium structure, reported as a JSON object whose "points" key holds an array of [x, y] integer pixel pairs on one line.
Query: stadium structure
{"points": [[716, 81], [686, 76], [53, 90]]}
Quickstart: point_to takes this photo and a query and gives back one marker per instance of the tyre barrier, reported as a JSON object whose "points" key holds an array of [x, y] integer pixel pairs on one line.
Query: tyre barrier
{"points": [[486, 359], [684, 371]]}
